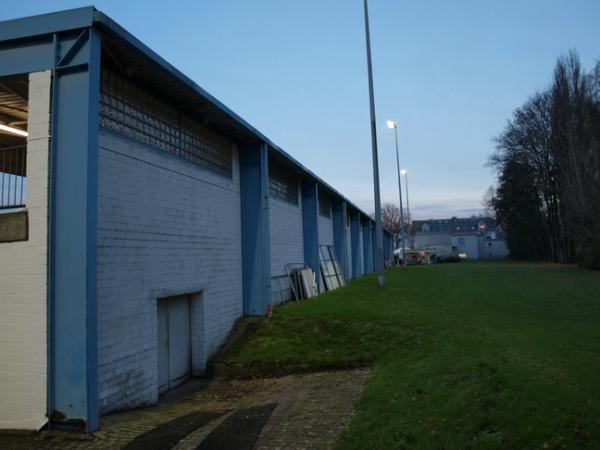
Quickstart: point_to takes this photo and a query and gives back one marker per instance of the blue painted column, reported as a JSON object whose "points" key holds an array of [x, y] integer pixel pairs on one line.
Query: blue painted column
{"points": [[386, 245], [256, 239], [367, 246], [339, 233], [374, 245], [355, 242], [310, 226], [73, 346]]}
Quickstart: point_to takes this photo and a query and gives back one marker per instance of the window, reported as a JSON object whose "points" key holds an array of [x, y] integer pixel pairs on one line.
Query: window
{"points": [[12, 176], [283, 183], [425, 228], [461, 241], [134, 113], [13, 142], [324, 204], [14, 116]]}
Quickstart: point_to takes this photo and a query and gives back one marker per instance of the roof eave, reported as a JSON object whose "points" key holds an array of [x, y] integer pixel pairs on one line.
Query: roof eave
{"points": [[88, 16], [107, 25], [27, 27]]}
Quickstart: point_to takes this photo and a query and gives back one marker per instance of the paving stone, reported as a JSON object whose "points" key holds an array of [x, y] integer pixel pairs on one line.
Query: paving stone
{"points": [[170, 433], [312, 409], [240, 430]]}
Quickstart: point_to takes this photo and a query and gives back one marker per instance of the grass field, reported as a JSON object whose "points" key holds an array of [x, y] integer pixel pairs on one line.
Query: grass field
{"points": [[470, 355]]}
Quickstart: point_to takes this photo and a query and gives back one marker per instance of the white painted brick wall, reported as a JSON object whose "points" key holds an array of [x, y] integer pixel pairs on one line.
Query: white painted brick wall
{"points": [[325, 230], [287, 244], [23, 282], [165, 227]]}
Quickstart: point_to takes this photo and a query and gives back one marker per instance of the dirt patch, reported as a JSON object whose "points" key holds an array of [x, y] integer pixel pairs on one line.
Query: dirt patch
{"points": [[312, 409]]}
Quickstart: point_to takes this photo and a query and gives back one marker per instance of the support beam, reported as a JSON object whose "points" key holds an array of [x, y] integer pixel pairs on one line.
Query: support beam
{"points": [[367, 245], [46, 24], [386, 245], [36, 54], [256, 242], [355, 232], [73, 361], [374, 245], [310, 225], [339, 233]]}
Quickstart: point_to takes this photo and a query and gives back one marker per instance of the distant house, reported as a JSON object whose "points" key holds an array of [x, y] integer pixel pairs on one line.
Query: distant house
{"points": [[471, 238]]}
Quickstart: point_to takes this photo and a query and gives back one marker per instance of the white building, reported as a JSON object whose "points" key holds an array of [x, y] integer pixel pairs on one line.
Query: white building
{"points": [[139, 218]]}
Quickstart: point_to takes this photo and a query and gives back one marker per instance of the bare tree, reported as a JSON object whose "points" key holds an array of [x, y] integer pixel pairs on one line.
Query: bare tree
{"points": [[548, 161], [576, 144], [390, 218], [488, 202]]}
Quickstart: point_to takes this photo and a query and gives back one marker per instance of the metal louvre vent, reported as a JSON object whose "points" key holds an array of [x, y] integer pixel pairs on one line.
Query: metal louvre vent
{"points": [[324, 204], [283, 183], [132, 112]]}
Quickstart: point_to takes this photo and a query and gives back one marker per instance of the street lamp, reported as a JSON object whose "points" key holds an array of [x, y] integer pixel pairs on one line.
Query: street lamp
{"points": [[391, 124], [378, 228], [405, 173]]}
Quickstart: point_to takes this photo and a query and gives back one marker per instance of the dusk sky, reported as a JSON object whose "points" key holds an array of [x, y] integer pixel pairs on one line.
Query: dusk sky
{"points": [[450, 74]]}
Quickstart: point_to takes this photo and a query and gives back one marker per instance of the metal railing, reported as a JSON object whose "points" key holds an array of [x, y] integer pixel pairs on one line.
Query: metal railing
{"points": [[13, 177]]}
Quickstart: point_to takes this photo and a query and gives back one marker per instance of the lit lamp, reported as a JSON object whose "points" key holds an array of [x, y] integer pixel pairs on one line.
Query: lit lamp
{"points": [[13, 130]]}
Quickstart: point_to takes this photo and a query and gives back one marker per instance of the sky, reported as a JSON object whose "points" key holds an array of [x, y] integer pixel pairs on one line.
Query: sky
{"points": [[450, 73]]}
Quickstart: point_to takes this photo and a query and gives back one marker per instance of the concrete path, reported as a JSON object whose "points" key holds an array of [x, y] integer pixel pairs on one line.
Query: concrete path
{"points": [[292, 412]]}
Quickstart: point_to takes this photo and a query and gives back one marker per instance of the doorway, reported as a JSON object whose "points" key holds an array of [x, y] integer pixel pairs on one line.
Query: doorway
{"points": [[174, 341]]}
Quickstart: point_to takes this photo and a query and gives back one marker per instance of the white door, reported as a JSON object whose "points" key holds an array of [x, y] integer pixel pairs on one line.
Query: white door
{"points": [[173, 341]]}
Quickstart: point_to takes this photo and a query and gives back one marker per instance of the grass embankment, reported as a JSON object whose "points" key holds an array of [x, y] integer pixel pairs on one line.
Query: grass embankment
{"points": [[472, 355]]}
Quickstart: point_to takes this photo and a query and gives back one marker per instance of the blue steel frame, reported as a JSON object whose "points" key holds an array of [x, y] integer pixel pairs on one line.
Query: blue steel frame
{"points": [[387, 246], [355, 230], [256, 239], [310, 225], [66, 44], [339, 233], [374, 245], [367, 245], [74, 363]]}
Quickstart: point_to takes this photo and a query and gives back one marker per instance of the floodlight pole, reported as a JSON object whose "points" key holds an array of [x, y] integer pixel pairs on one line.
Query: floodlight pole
{"points": [[400, 197], [406, 193], [378, 228]]}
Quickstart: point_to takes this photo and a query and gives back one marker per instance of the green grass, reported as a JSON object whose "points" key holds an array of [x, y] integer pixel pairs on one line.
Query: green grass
{"points": [[470, 355]]}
